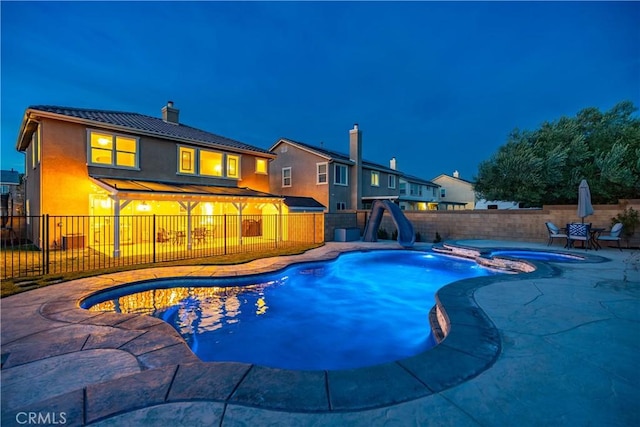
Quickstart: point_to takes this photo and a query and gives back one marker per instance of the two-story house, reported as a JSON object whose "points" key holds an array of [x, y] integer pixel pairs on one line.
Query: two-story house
{"points": [[455, 192], [111, 166], [11, 192], [338, 181]]}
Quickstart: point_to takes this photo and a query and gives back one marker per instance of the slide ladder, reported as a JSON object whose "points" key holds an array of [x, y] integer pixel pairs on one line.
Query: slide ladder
{"points": [[406, 235]]}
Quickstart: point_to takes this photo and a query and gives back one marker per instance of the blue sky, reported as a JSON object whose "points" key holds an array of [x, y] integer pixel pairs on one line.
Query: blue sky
{"points": [[438, 85]]}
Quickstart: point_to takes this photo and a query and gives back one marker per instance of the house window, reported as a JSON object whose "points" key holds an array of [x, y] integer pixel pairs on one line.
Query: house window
{"points": [[321, 173], [35, 148], [233, 166], [113, 150], [403, 188], [415, 189], [286, 177], [261, 166], [341, 206], [443, 193], [187, 160], [340, 177], [375, 179], [392, 181], [4, 189], [210, 163]]}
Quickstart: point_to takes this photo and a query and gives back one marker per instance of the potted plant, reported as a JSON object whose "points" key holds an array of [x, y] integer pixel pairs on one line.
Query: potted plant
{"points": [[629, 218]]}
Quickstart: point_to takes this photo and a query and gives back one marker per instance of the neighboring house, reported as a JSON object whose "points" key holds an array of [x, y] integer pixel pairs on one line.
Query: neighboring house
{"points": [[455, 192], [416, 194], [103, 163], [338, 181], [11, 190]]}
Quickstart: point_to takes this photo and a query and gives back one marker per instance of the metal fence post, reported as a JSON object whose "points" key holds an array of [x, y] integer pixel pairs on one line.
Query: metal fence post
{"points": [[225, 233], [153, 236], [45, 243]]}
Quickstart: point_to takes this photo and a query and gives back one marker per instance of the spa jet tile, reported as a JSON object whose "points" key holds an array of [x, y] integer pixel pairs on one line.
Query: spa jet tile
{"points": [[140, 390], [167, 356], [272, 388], [442, 367], [65, 409], [374, 386], [207, 381]]}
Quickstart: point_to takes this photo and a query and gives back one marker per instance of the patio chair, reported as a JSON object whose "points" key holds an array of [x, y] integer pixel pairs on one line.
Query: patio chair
{"points": [[162, 236], [613, 236], [579, 232], [199, 235], [554, 232]]}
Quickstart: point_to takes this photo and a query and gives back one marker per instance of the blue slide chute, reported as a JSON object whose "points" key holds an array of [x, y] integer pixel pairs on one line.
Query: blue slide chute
{"points": [[406, 236]]}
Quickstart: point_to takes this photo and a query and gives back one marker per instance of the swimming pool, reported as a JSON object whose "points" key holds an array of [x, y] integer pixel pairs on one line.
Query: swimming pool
{"points": [[361, 309]]}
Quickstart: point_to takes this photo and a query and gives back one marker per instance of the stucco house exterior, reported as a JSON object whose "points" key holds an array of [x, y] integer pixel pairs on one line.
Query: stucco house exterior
{"points": [[336, 180], [109, 164], [455, 192], [417, 194]]}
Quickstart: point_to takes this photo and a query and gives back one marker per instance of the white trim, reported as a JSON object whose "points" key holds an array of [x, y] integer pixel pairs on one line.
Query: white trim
{"points": [[283, 177], [326, 173]]}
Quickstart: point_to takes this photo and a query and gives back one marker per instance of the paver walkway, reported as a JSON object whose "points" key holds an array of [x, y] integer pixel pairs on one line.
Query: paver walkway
{"points": [[561, 349]]}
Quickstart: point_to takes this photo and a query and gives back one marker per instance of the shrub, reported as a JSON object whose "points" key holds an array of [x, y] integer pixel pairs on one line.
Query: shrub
{"points": [[382, 234], [438, 238]]}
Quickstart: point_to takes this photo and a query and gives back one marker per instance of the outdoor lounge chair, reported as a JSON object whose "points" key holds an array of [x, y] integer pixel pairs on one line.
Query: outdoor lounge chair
{"points": [[613, 236], [554, 232], [579, 232]]}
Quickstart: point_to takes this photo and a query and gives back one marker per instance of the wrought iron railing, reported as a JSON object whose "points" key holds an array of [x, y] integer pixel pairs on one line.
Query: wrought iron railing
{"points": [[41, 245]]}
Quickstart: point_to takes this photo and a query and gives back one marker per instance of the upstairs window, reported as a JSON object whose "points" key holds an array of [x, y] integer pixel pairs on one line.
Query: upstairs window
{"points": [[375, 179], [392, 181], [286, 177], [35, 148], [187, 159], [340, 177], [210, 163], [233, 166], [321, 173], [443, 193], [261, 166], [113, 150]]}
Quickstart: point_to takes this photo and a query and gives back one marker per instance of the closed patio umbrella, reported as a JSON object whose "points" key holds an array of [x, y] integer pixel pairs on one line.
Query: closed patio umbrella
{"points": [[584, 200]]}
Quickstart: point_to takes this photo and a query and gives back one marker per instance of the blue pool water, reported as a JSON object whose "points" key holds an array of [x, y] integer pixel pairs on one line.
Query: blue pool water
{"points": [[360, 309], [537, 255]]}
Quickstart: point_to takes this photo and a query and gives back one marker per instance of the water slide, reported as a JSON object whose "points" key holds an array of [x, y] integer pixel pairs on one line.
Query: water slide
{"points": [[406, 236]]}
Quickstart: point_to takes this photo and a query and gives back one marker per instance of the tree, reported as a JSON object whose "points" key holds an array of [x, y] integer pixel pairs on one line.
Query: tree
{"points": [[545, 166]]}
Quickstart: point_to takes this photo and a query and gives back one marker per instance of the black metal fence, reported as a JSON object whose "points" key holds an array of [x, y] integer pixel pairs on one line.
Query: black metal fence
{"points": [[40, 245]]}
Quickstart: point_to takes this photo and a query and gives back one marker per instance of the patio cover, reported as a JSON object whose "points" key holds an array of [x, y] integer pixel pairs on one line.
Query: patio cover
{"points": [[142, 190]]}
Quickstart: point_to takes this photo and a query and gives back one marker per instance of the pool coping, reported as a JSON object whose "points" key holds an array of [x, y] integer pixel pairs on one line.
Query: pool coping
{"points": [[472, 345]]}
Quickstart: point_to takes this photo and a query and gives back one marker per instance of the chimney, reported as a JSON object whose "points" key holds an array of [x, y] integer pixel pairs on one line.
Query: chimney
{"points": [[355, 154], [393, 163], [170, 114], [456, 174]]}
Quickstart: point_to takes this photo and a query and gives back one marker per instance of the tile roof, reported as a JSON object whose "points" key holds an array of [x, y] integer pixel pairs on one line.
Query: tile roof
{"points": [[10, 177], [302, 202], [154, 125], [415, 179], [339, 156]]}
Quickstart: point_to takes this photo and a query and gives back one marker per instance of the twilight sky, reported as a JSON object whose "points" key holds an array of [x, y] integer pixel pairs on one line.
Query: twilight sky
{"points": [[438, 85]]}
